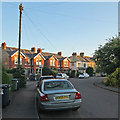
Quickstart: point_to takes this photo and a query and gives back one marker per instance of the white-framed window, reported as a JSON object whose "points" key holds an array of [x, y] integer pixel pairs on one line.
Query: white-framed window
{"points": [[16, 60], [65, 63], [38, 62], [20, 61], [52, 62], [25, 61]]}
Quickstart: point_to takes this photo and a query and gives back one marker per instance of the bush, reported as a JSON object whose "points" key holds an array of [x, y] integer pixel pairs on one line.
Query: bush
{"points": [[90, 71], [22, 81], [113, 79], [19, 73], [6, 78], [49, 71]]}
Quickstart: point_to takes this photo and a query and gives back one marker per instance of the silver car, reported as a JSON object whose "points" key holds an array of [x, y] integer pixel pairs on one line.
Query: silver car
{"points": [[57, 94], [62, 76]]}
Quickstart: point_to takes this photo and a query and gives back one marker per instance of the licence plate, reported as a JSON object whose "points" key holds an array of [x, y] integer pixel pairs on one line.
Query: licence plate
{"points": [[62, 97]]}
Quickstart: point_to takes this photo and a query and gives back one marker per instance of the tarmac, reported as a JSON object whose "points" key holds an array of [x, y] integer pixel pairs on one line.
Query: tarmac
{"points": [[110, 88], [23, 101]]}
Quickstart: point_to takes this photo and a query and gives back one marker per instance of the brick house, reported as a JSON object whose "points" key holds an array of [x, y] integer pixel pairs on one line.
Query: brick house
{"points": [[32, 59], [29, 59], [57, 61], [80, 62]]}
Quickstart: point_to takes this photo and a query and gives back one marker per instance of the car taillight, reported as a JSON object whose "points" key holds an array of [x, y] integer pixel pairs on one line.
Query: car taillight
{"points": [[38, 84], [78, 95], [44, 98]]}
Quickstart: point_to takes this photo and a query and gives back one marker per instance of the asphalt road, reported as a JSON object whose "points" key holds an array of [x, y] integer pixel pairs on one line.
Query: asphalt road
{"points": [[97, 102]]}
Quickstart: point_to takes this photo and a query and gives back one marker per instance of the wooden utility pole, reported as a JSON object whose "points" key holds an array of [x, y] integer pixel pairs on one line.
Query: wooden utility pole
{"points": [[20, 20]]}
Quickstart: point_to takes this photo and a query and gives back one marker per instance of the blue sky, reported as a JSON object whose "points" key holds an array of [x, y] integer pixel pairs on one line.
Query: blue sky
{"points": [[63, 26]]}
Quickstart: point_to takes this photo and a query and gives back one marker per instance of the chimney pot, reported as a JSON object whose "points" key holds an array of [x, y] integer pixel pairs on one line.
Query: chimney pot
{"points": [[33, 49], [82, 54], [60, 53], [3, 45], [39, 50], [74, 54]]}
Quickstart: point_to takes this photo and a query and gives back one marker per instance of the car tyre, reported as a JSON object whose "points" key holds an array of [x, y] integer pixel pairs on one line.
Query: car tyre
{"points": [[75, 109]]}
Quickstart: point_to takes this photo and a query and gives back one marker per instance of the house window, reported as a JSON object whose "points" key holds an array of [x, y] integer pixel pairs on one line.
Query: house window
{"points": [[66, 63], [38, 62], [78, 64], [52, 62], [72, 64], [28, 61], [16, 60], [25, 61], [21, 61], [84, 65]]}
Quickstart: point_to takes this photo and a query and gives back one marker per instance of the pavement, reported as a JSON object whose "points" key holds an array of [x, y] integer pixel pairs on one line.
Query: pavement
{"points": [[101, 85], [23, 103]]}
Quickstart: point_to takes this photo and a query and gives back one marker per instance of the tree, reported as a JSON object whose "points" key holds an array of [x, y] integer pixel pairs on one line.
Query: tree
{"points": [[90, 71], [49, 71], [107, 57], [19, 72]]}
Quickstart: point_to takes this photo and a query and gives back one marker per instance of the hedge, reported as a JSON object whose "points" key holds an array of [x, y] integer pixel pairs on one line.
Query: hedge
{"points": [[113, 79], [7, 78]]}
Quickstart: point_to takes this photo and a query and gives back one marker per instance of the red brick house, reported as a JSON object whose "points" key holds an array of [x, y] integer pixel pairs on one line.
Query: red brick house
{"points": [[57, 61], [29, 59], [32, 59]]}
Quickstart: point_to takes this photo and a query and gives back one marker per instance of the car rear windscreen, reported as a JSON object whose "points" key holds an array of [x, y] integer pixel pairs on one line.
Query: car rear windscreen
{"points": [[43, 78], [57, 85]]}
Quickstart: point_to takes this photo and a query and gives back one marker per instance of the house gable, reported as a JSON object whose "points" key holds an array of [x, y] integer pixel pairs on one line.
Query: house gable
{"points": [[16, 54], [39, 55]]}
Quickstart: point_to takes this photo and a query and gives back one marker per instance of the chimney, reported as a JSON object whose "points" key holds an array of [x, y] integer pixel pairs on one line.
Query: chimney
{"points": [[3, 45], [82, 54], [33, 49], [74, 54], [60, 53], [39, 50]]}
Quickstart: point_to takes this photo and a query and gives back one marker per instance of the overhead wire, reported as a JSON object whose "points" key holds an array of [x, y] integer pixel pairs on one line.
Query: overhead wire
{"points": [[75, 17], [39, 30]]}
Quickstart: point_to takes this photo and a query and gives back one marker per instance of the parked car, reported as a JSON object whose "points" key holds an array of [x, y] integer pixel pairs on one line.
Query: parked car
{"points": [[62, 76], [86, 75], [83, 75], [43, 78], [103, 74], [57, 94]]}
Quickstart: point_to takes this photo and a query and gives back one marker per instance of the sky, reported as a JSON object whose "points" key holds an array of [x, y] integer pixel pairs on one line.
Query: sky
{"points": [[60, 26]]}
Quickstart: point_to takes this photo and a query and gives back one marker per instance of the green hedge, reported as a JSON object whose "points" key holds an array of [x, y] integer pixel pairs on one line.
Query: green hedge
{"points": [[49, 71], [113, 79], [19, 73], [6, 78]]}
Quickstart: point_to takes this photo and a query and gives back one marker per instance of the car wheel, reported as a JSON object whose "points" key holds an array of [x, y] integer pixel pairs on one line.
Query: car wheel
{"points": [[75, 109]]}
